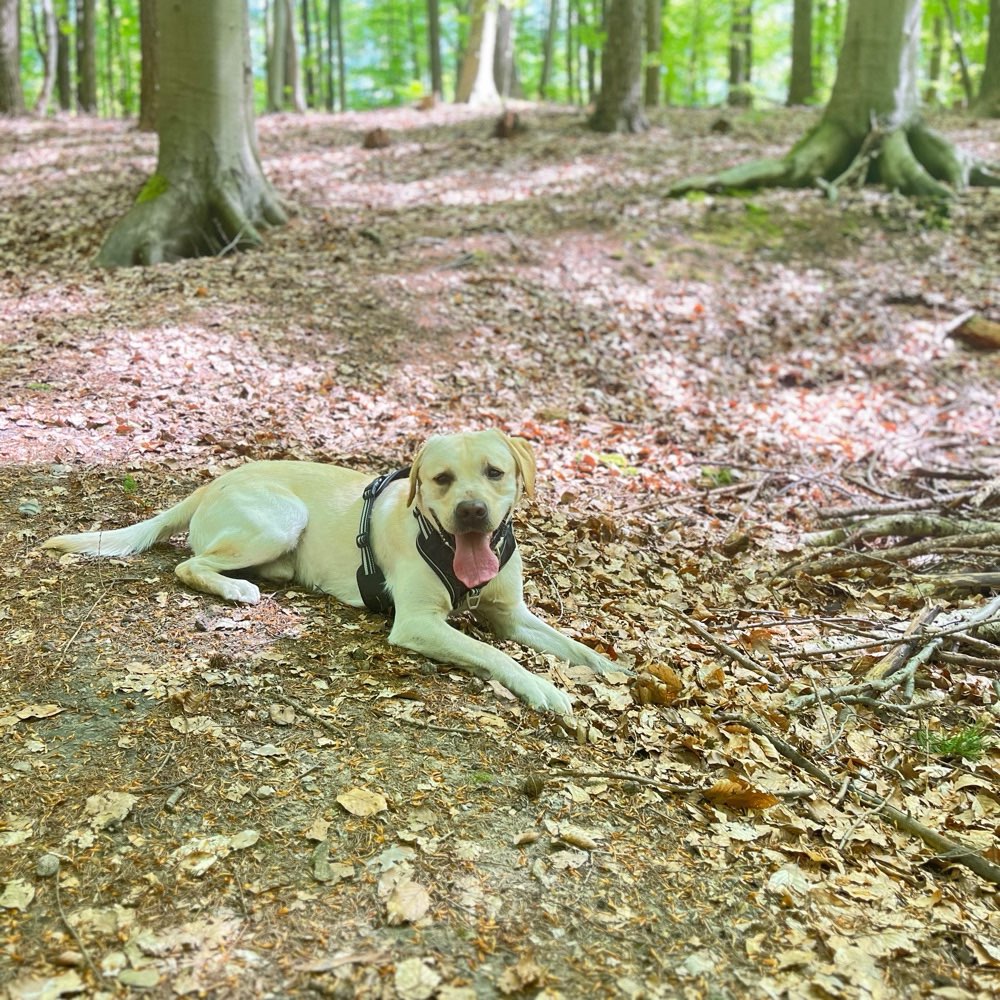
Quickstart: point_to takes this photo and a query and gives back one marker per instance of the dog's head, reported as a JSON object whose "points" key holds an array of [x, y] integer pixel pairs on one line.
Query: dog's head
{"points": [[467, 484]]}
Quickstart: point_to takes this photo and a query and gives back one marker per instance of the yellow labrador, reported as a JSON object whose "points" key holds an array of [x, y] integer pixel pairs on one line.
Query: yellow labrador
{"points": [[435, 538]]}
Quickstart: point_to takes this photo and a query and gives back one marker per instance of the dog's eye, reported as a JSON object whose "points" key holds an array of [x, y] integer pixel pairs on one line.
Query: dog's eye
{"points": [[492, 472], [444, 479]]}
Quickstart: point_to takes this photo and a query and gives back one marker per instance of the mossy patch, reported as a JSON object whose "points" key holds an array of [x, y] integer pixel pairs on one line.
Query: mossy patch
{"points": [[156, 185]]}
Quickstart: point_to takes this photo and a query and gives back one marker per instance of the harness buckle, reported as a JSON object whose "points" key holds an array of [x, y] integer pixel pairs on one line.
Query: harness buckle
{"points": [[473, 597], [362, 540]]}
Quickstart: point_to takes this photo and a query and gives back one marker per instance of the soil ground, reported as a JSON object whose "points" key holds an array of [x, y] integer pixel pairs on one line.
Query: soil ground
{"points": [[697, 378]]}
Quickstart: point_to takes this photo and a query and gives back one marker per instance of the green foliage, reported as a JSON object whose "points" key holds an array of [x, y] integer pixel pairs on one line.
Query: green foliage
{"points": [[129, 484], [385, 49], [716, 476], [967, 744]]}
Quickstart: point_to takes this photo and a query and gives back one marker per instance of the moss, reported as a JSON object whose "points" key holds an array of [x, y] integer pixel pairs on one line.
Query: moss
{"points": [[156, 185]]}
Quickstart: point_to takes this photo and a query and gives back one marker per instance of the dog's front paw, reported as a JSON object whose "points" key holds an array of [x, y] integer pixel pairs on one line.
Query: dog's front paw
{"points": [[602, 665], [241, 591], [540, 694]]}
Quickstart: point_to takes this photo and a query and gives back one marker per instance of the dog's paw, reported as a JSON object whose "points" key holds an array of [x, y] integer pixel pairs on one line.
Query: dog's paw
{"points": [[546, 697], [241, 591], [602, 665]]}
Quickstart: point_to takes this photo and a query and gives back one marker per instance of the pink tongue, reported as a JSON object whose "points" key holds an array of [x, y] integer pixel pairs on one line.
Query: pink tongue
{"points": [[475, 562]]}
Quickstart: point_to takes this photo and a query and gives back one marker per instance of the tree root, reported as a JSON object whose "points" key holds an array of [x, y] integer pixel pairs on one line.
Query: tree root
{"points": [[914, 160], [192, 218]]}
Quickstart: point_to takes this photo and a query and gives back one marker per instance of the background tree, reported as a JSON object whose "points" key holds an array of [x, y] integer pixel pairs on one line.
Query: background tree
{"points": [[64, 73], [48, 32], [475, 78], [740, 54], [434, 47], [11, 95], [549, 49], [209, 192], [619, 103], [800, 85], [988, 102], [654, 42], [872, 123], [86, 56], [148, 80]]}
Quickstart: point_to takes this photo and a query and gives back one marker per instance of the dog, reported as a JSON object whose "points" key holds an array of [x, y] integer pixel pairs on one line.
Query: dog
{"points": [[428, 540]]}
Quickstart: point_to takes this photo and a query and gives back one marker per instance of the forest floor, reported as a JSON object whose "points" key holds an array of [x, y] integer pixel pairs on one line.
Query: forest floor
{"points": [[201, 799]]}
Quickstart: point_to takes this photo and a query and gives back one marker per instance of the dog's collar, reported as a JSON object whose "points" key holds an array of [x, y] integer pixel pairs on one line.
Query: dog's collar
{"points": [[435, 545]]}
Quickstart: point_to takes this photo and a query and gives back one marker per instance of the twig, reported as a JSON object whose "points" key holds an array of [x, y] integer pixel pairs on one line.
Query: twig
{"points": [[73, 933], [896, 658], [730, 651], [83, 621], [638, 779], [945, 848]]}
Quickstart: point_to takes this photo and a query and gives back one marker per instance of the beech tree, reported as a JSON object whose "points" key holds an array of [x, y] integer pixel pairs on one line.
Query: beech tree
{"points": [[209, 191], [11, 96], [988, 102], [619, 103], [871, 127], [800, 85], [475, 79]]}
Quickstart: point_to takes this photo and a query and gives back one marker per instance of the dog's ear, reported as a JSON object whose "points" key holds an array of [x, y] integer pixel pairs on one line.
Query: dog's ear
{"points": [[524, 458], [415, 476]]}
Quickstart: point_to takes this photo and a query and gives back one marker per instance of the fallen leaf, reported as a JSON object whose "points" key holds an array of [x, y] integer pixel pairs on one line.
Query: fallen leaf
{"points": [[407, 903], [361, 802]]}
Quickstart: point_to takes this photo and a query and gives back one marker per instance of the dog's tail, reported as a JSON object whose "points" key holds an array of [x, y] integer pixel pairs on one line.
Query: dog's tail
{"points": [[135, 538]]}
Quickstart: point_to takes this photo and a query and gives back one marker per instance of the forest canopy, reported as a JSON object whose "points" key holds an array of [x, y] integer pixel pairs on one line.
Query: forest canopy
{"points": [[357, 54]]}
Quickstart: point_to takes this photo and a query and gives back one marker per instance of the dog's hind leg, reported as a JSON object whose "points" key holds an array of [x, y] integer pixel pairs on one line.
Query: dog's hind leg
{"points": [[241, 531]]}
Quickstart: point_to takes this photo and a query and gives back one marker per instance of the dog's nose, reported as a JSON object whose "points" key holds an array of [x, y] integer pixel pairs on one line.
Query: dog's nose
{"points": [[471, 515]]}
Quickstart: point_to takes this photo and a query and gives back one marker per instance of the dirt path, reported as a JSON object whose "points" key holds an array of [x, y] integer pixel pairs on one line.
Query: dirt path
{"points": [[696, 376]]}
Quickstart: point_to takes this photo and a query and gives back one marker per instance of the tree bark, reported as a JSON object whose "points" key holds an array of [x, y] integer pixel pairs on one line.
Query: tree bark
{"points": [[504, 63], [619, 104], [64, 79], [654, 42], [50, 56], [148, 80], [434, 47], [548, 49], [209, 193], [871, 128], [475, 79], [740, 55], [86, 56], [800, 85], [988, 101], [11, 94]]}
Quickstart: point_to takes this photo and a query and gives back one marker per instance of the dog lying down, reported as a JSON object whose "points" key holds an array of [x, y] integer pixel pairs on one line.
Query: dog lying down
{"points": [[428, 540]]}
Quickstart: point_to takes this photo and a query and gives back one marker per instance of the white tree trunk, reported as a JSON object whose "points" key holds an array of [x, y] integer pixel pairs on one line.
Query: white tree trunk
{"points": [[476, 85]]}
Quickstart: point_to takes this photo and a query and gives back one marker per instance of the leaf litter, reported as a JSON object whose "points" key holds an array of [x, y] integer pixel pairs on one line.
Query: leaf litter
{"points": [[708, 384]]}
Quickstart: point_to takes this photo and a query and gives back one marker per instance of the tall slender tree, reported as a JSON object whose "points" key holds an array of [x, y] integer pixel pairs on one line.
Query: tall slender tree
{"points": [[654, 42], [988, 100], [209, 192], [86, 55], [11, 94], [872, 125], [548, 49], [64, 76], [50, 54], [619, 104], [149, 76], [800, 84], [434, 47], [475, 78], [740, 54]]}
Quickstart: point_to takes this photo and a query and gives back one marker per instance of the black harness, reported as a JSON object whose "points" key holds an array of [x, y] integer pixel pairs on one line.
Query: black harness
{"points": [[435, 545]]}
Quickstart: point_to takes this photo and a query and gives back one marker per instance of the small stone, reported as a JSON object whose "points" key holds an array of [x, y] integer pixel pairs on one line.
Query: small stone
{"points": [[265, 792], [47, 865]]}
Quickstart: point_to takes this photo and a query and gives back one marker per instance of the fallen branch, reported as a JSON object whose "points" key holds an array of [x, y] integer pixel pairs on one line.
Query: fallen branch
{"points": [[902, 525], [741, 658], [944, 847], [896, 658]]}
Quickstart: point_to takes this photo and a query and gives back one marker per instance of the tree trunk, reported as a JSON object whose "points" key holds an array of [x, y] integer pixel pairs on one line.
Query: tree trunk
{"points": [[294, 96], [504, 64], [740, 55], [307, 46], [64, 77], [619, 104], [148, 80], [800, 86], [11, 95], [956, 43], [548, 49], [932, 90], [50, 55], [475, 79], [86, 56], [337, 18], [654, 42], [434, 47], [988, 102], [871, 128], [276, 63], [209, 193]]}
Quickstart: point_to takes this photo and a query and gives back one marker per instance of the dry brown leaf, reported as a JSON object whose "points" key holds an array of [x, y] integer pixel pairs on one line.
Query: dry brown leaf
{"points": [[407, 903], [740, 795], [361, 802]]}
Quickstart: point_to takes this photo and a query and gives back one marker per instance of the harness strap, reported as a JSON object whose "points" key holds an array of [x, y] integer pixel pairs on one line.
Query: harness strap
{"points": [[436, 547]]}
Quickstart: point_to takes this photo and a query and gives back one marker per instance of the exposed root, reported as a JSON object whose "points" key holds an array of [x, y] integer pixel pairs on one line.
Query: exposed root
{"points": [[914, 160], [193, 219]]}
